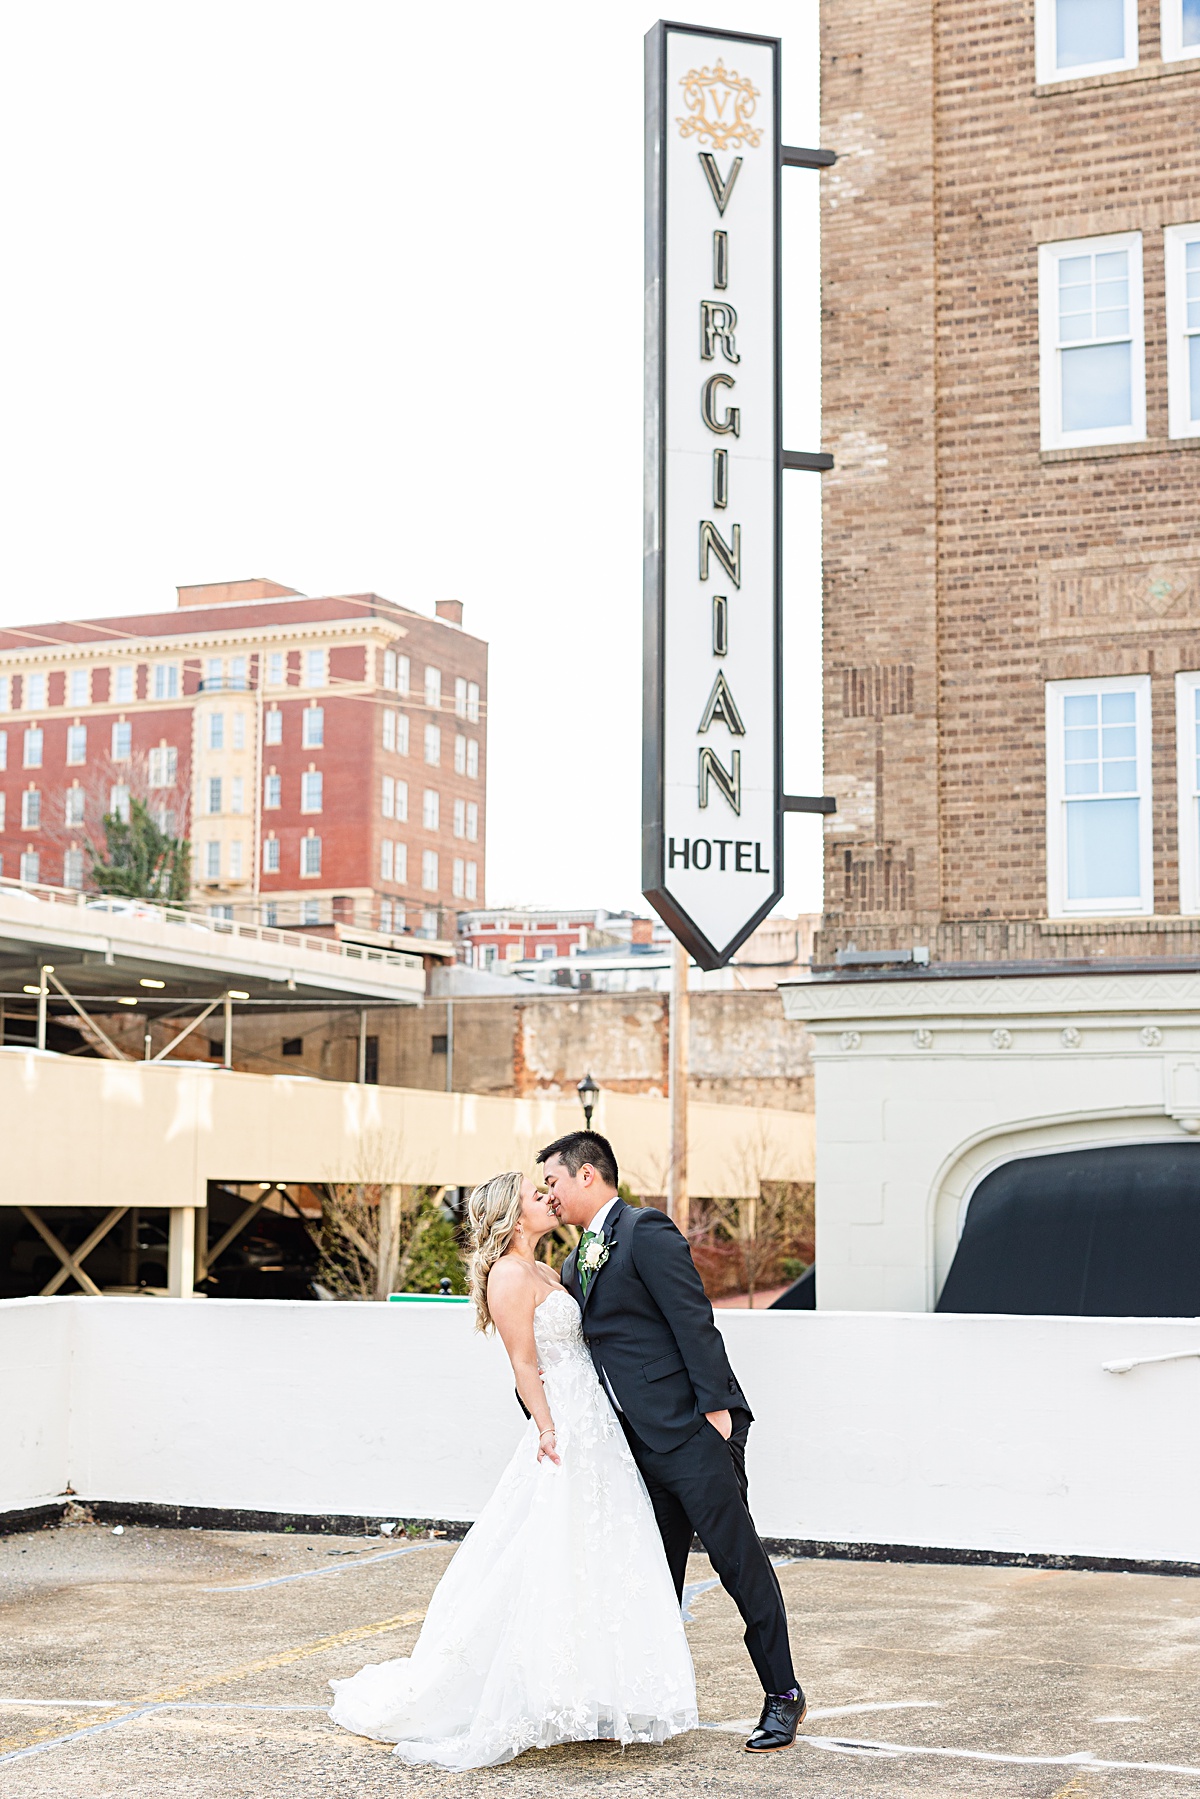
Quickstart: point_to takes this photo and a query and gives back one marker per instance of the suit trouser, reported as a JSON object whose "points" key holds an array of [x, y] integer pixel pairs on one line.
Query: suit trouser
{"points": [[700, 1487]]}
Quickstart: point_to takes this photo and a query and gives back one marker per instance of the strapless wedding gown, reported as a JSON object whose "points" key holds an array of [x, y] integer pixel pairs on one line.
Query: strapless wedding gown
{"points": [[557, 1620]]}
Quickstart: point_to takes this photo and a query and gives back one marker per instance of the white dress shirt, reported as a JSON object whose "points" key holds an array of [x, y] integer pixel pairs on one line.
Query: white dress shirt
{"points": [[597, 1225]]}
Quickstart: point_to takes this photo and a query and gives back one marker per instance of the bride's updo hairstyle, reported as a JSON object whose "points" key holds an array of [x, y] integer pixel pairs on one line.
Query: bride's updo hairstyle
{"points": [[494, 1211]]}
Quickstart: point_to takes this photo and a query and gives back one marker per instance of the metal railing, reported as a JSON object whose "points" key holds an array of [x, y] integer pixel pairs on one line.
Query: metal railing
{"points": [[199, 921]]}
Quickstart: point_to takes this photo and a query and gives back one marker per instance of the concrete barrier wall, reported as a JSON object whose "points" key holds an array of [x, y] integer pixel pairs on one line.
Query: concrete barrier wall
{"points": [[36, 1337], [946, 1432]]}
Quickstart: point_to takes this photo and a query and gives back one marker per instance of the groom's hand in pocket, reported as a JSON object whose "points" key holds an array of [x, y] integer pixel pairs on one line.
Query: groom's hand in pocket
{"points": [[721, 1422]]}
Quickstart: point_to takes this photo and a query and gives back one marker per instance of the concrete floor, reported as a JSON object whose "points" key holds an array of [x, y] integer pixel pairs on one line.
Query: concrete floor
{"points": [[194, 1663]]}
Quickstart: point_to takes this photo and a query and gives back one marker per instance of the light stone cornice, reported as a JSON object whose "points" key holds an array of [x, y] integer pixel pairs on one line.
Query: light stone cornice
{"points": [[980, 1003], [127, 649]]}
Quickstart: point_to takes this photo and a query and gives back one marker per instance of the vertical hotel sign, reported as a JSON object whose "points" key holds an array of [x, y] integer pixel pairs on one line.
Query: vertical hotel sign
{"points": [[711, 821]]}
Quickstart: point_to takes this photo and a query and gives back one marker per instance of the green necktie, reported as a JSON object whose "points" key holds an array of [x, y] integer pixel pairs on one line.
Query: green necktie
{"points": [[585, 1274]]}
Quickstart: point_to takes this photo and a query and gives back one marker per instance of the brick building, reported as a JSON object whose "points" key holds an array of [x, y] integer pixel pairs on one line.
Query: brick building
{"points": [[326, 757], [1011, 267]]}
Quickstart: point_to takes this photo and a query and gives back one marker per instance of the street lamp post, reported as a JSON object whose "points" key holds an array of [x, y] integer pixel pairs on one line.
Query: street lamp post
{"points": [[588, 1090]]}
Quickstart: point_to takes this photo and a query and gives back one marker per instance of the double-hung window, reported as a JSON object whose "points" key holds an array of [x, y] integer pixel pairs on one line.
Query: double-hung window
{"points": [[119, 802], [433, 687], [73, 867], [1093, 381], [430, 810], [472, 880], [31, 810], [388, 797], [273, 726], [310, 856], [166, 680], [433, 745], [311, 791], [272, 791], [270, 855], [76, 744], [1098, 824], [1182, 245], [313, 736], [35, 692], [34, 744], [214, 794], [216, 730], [314, 668], [387, 859], [122, 740], [429, 870], [1085, 37], [1187, 739], [163, 765], [79, 686], [73, 805], [1180, 29]]}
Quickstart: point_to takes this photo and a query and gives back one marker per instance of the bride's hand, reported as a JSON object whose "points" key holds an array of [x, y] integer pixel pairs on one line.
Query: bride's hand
{"points": [[546, 1448]]}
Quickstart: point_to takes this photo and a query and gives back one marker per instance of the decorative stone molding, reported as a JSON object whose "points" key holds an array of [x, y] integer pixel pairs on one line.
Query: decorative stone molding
{"points": [[1002, 1039], [850, 1039], [1071, 1038], [923, 1039]]}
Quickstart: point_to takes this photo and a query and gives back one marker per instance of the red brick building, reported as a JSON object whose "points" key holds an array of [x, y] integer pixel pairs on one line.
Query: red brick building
{"points": [[1011, 354], [326, 757]]}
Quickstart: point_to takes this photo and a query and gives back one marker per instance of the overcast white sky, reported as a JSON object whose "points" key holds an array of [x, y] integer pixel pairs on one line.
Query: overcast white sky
{"points": [[351, 296]]}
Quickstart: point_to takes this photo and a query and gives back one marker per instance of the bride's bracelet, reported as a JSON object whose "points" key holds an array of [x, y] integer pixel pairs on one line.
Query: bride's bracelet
{"points": [[546, 1433]]}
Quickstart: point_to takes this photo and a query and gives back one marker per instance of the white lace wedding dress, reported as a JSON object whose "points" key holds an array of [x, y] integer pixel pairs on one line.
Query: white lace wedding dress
{"points": [[557, 1621]]}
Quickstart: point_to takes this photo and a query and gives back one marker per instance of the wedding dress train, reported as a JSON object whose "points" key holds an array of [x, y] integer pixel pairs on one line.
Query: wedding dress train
{"points": [[557, 1621]]}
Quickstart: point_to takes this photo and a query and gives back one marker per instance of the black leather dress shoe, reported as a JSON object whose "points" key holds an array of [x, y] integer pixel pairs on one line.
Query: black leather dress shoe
{"points": [[781, 1718]]}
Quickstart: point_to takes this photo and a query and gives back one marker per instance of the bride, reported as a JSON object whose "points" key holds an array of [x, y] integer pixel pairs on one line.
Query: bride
{"points": [[557, 1620]]}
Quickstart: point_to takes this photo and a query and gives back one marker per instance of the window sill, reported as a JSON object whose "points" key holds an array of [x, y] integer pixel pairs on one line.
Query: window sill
{"points": [[1154, 446], [1156, 70], [1113, 921]]}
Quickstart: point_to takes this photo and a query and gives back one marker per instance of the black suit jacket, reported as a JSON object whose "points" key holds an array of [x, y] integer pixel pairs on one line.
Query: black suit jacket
{"points": [[649, 1326]]}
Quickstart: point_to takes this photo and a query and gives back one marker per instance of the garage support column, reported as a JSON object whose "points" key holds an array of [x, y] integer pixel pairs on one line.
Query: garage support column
{"points": [[181, 1253], [228, 1032]]}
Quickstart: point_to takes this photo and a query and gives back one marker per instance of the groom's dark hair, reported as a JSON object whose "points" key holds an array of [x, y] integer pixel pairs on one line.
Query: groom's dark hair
{"points": [[578, 1147]]}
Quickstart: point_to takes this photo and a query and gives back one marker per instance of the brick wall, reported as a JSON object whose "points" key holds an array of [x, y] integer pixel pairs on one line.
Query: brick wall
{"points": [[965, 567]]}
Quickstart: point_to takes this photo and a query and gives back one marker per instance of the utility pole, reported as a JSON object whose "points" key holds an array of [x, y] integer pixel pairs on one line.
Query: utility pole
{"points": [[677, 1058]]}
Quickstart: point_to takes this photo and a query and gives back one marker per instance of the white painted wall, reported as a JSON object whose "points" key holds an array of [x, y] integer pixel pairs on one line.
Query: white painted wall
{"points": [[924, 1085], [949, 1432]]}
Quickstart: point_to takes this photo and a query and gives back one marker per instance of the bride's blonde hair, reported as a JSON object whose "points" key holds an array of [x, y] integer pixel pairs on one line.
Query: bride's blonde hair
{"points": [[494, 1211]]}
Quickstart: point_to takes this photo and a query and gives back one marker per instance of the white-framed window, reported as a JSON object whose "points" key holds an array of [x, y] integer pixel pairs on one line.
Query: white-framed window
{"points": [[313, 735], [270, 914], [472, 822], [31, 810], [312, 786], [212, 860], [119, 804], [402, 733], [237, 794], [433, 746], [162, 765], [213, 795], [429, 870], [3, 749], [79, 688], [216, 730], [276, 669], [473, 701], [433, 687], [5, 693], [472, 759], [460, 754], [385, 915], [387, 799], [1085, 37], [460, 697], [35, 693], [1180, 29], [314, 668], [1182, 246], [1098, 823], [458, 882], [76, 745], [270, 855], [214, 674], [165, 819], [34, 744], [473, 882], [237, 674], [459, 826], [403, 675], [429, 923], [310, 855], [310, 911], [124, 687], [166, 680], [1187, 743], [387, 859], [73, 805], [545, 952], [122, 740], [389, 729], [31, 867], [1093, 379], [272, 791], [401, 865], [73, 867], [235, 859], [430, 810], [273, 726], [239, 730], [402, 801]]}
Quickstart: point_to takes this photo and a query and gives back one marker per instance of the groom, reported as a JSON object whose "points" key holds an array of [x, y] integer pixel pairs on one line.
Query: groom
{"points": [[650, 1330]]}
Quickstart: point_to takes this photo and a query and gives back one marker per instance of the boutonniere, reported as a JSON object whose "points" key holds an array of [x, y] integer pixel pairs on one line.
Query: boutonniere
{"points": [[593, 1255]]}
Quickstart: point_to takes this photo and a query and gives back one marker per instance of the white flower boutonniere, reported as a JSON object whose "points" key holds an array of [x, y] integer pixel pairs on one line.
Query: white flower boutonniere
{"points": [[594, 1255]]}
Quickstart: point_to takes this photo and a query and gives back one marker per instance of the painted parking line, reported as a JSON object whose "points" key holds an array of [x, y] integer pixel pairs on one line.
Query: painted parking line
{"points": [[15, 1748], [743, 1726], [279, 1580], [1082, 1758]]}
